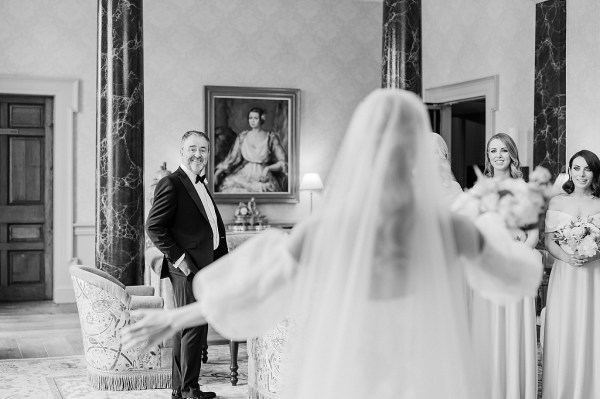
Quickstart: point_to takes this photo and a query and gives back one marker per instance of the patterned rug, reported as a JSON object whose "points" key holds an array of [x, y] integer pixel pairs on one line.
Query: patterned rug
{"points": [[64, 377]]}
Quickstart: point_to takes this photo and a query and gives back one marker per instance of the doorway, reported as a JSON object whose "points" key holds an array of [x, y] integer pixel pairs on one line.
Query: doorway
{"points": [[462, 125], [26, 224]]}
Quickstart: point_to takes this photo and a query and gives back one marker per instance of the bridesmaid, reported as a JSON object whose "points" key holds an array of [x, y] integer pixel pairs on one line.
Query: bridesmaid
{"points": [[504, 335], [572, 333]]}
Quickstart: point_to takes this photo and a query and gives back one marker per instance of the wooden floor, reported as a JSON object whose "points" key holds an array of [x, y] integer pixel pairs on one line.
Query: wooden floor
{"points": [[46, 329], [39, 329]]}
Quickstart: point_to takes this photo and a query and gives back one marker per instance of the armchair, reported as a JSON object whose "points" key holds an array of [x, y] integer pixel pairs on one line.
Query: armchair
{"points": [[103, 304], [266, 355]]}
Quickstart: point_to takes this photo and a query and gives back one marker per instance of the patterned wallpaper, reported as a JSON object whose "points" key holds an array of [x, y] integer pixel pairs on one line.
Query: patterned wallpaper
{"points": [[331, 50], [583, 80], [57, 39], [471, 39]]}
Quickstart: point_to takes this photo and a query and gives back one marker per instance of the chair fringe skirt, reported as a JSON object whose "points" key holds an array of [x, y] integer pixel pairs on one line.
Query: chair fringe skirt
{"points": [[131, 380], [254, 393]]}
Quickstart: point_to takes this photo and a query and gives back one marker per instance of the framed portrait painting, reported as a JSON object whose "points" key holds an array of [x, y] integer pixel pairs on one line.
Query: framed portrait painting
{"points": [[254, 134]]}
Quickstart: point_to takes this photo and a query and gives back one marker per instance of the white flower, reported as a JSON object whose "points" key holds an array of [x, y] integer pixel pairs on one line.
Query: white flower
{"points": [[595, 231], [517, 202], [587, 247], [572, 243], [577, 233], [580, 236]]}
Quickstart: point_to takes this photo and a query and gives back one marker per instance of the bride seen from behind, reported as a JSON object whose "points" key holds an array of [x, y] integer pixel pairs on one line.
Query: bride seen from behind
{"points": [[571, 367], [372, 279]]}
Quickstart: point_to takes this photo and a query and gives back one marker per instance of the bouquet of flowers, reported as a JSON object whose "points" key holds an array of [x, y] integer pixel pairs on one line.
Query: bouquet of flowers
{"points": [[579, 237], [520, 204]]}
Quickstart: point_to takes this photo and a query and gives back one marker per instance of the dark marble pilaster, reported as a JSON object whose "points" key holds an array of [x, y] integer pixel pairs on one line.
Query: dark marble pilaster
{"points": [[402, 61], [120, 141], [549, 127]]}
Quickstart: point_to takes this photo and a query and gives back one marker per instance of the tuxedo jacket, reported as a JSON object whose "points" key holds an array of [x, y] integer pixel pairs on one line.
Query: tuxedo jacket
{"points": [[178, 224]]}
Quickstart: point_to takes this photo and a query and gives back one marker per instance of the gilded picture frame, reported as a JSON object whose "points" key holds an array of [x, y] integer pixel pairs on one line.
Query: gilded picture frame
{"points": [[254, 135]]}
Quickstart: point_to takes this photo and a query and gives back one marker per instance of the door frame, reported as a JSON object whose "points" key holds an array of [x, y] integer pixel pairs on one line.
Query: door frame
{"points": [[66, 104], [27, 292], [487, 88]]}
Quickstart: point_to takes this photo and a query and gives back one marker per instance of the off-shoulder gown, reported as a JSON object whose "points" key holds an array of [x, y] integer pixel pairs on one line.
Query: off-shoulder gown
{"points": [[505, 342], [571, 367]]}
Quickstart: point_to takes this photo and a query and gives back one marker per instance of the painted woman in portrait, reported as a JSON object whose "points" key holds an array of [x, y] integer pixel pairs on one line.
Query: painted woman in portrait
{"points": [[257, 162]]}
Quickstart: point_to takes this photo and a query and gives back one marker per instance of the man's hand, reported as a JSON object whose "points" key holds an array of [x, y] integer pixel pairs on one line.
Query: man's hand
{"points": [[183, 266]]}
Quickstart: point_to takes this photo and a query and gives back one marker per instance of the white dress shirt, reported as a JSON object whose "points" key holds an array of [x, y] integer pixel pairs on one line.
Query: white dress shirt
{"points": [[208, 207]]}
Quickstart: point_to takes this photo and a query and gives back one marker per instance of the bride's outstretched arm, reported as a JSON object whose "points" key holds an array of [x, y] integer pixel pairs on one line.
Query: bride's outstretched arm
{"points": [[505, 270], [150, 326], [242, 294], [249, 291], [469, 241]]}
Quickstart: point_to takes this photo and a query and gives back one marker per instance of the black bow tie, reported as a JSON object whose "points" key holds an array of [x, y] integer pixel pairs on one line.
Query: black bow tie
{"points": [[202, 179]]}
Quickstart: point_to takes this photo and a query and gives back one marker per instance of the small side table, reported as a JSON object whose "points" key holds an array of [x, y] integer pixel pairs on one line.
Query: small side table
{"points": [[233, 365]]}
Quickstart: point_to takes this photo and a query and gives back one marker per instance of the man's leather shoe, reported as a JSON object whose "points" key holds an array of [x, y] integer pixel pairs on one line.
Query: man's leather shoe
{"points": [[176, 394], [198, 394]]}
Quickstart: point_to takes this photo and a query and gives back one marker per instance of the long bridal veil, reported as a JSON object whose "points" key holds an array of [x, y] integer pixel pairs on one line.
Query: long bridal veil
{"points": [[378, 294]]}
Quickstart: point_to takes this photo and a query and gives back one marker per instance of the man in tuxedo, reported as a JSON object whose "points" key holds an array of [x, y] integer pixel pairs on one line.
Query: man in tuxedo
{"points": [[185, 225]]}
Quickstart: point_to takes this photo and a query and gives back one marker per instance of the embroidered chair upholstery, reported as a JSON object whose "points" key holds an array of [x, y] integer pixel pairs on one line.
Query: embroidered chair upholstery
{"points": [[103, 304], [266, 355]]}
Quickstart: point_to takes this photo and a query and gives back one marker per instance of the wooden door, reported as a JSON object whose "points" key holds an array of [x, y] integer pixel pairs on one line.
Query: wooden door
{"points": [[25, 198]]}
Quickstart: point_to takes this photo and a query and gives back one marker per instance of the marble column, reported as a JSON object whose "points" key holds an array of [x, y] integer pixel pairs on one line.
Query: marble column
{"points": [[402, 60], [549, 127], [120, 141]]}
